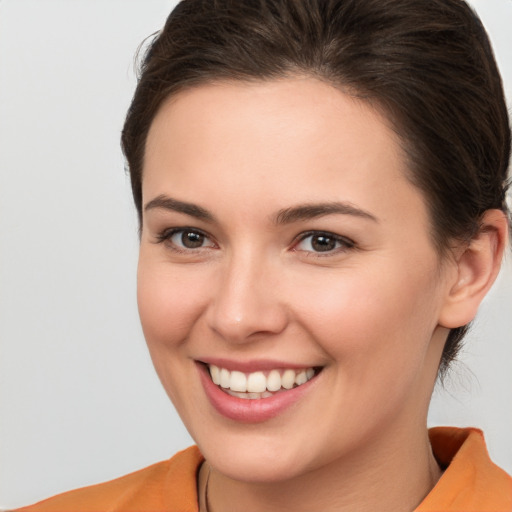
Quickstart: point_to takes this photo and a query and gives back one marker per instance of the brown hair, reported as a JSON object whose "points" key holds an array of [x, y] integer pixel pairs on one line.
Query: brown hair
{"points": [[427, 64]]}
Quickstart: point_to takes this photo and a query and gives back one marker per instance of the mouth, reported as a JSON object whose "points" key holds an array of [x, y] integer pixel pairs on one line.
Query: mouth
{"points": [[259, 384], [256, 391]]}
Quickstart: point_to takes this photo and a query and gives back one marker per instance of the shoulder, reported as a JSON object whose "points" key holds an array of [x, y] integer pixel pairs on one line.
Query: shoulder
{"points": [[471, 481], [167, 486]]}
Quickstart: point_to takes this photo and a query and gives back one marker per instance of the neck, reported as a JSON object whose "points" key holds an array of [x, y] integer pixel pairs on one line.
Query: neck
{"points": [[393, 478]]}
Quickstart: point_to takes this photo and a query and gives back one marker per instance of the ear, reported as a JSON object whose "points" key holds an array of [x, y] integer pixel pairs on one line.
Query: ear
{"points": [[476, 269]]}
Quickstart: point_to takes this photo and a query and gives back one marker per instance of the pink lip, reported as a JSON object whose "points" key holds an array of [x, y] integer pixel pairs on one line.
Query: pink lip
{"points": [[250, 411]]}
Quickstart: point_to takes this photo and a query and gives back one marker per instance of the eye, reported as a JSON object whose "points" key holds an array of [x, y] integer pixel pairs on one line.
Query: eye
{"points": [[323, 242], [184, 239]]}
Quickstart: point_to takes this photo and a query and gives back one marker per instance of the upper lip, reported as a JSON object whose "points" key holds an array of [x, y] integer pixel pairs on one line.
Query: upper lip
{"points": [[253, 365]]}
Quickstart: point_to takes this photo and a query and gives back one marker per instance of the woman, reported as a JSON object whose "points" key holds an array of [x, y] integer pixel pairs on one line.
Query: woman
{"points": [[321, 195]]}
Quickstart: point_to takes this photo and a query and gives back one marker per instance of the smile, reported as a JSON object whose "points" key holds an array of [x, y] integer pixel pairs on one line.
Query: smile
{"points": [[258, 385], [256, 391]]}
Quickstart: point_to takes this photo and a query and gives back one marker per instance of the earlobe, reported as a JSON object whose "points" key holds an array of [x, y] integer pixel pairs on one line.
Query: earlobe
{"points": [[476, 270]]}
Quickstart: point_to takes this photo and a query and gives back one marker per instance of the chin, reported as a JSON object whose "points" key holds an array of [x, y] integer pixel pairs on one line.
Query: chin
{"points": [[255, 470], [258, 461]]}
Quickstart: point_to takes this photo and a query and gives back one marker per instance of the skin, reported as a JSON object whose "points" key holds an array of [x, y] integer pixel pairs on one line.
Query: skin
{"points": [[373, 313]]}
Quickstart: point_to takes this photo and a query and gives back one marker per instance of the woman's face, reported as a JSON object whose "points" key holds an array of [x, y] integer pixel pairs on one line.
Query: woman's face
{"points": [[282, 243]]}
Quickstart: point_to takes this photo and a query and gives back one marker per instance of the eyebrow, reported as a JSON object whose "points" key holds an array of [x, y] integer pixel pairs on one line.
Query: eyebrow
{"points": [[168, 203], [285, 216], [315, 210]]}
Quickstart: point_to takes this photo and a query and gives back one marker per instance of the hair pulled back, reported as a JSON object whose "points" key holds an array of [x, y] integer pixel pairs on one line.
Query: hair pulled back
{"points": [[427, 64]]}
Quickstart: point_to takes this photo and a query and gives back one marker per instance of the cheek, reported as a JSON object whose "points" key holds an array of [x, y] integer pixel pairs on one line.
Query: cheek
{"points": [[376, 334], [169, 304], [169, 308], [369, 318]]}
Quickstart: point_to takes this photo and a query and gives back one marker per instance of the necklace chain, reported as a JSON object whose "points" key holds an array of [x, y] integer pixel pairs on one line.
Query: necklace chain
{"points": [[203, 502]]}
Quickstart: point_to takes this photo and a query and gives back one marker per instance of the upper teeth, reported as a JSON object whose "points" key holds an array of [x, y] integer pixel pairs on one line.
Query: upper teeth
{"points": [[258, 382]]}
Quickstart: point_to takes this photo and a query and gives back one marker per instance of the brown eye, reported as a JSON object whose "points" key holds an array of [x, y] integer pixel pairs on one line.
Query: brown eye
{"points": [[192, 239], [323, 243], [319, 242], [186, 239]]}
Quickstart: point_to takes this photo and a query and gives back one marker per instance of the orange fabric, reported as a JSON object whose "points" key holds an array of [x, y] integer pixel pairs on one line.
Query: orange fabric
{"points": [[471, 483]]}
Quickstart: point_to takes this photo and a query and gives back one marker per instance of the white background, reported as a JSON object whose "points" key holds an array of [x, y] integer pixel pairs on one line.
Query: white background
{"points": [[79, 400]]}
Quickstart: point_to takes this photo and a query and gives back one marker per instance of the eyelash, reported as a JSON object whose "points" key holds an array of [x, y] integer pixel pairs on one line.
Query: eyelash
{"points": [[344, 244], [166, 235]]}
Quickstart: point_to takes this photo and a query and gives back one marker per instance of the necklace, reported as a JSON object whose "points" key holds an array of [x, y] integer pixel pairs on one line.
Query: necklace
{"points": [[203, 500]]}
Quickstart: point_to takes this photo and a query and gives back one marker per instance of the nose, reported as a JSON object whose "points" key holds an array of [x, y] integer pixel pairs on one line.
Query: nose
{"points": [[246, 304]]}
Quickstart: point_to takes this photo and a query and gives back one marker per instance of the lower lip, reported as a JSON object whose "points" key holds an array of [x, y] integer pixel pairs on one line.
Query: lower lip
{"points": [[250, 410]]}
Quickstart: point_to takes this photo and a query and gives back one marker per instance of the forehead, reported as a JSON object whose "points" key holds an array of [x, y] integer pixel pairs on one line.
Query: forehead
{"points": [[268, 108], [296, 139]]}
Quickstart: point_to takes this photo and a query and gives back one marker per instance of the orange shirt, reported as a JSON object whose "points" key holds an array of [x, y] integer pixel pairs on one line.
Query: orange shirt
{"points": [[471, 483]]}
